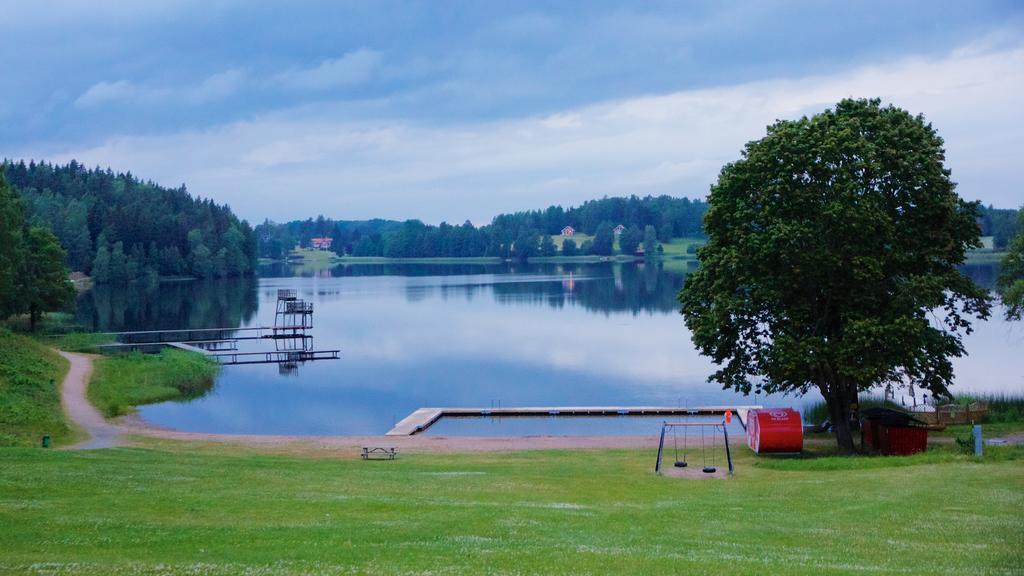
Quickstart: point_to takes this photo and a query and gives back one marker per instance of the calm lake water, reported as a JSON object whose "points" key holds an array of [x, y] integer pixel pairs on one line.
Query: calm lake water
{"points": [[414, 335]]}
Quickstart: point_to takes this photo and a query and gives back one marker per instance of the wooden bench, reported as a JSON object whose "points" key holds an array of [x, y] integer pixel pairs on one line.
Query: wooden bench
{"points": [[379, 453]]}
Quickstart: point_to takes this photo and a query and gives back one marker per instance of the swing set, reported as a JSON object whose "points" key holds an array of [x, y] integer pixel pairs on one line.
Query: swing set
{"points": [[709, 465]]}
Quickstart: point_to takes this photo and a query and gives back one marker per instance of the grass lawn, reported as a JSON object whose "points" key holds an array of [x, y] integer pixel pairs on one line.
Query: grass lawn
{"points": [[314, 257], [205, 509], [126, 380], [578, 238], [677, 247], [29, 402]]}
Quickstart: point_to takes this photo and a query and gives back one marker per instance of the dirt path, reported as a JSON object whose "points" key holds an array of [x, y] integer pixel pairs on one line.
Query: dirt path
{"points": [[101, 433]]}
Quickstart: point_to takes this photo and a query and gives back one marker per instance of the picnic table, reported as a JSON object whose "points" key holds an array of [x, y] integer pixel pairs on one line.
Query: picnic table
{"points": [[379, 453]]}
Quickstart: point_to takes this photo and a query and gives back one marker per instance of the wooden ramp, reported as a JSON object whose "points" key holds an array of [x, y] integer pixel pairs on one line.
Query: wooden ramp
{"points": [[423, 418], [188, 348]]}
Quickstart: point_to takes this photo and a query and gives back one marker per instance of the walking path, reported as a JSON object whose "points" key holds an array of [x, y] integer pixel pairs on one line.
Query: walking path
{"points": [[101, 433]]}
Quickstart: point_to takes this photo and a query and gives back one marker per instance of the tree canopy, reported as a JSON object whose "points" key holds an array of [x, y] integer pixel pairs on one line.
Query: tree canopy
{"points": [[831, 261], [132, 228], [33, 277], [43, 284]]}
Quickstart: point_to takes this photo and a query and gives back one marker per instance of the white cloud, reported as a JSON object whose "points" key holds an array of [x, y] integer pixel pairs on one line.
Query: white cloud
{"points": [[106, 92], [324, 162], [215, 87], [352, 68]]}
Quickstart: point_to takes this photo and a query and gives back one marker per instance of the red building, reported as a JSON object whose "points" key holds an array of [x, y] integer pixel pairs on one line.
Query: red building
{"points": [[321, 243]]}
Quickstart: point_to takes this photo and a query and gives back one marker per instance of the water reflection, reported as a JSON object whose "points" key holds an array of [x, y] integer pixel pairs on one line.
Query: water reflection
{"points": [[168, 305], [476, 335], [633, 287]]}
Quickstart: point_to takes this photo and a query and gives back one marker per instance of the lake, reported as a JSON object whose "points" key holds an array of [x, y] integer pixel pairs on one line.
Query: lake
{"points": [[468, 335]]}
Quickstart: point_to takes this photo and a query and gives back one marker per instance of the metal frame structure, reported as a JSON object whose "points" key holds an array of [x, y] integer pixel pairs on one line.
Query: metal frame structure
{"points": [[715, 426]]}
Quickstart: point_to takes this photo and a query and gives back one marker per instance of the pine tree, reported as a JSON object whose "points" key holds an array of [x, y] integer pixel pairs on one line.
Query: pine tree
{"points": [[118, 263], [11, 247], [101, 265]]}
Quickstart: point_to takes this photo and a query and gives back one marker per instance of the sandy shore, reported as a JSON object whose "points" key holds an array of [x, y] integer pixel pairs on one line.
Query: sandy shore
{"points": [[106, 434]]}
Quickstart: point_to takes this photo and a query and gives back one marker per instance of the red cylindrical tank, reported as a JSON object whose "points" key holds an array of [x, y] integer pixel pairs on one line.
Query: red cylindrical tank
{"points": [[775, 430]]}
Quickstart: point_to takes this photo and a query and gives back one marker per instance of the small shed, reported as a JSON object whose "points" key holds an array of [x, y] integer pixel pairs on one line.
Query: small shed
{"points": [[619, 229], [568, 231], [892, 432]]}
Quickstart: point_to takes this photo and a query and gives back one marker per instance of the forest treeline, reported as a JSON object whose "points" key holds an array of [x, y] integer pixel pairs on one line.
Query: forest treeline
{"points": [[1001, 224], [118, 228], [521, 234], [665, 216]]}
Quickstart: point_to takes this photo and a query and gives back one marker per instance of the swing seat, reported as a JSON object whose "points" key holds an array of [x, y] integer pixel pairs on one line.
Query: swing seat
{"points": [[680, 464], [709, 469]]}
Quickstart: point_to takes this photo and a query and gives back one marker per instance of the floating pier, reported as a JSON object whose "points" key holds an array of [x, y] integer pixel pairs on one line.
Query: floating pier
{"points": [[292, 318], [423, 418], [275, 357], [207, 334]]}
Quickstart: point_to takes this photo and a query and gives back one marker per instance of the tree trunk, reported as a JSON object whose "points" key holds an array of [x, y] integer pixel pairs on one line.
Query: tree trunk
{"points": [[33, 317], [838, 401], [854, 411]]}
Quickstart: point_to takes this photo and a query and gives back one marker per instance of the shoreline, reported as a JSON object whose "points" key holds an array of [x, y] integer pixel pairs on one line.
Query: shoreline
{"points": [[103, 433]]}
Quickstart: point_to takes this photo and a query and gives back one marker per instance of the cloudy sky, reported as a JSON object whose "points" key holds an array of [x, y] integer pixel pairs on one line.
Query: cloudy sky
{"points": [[454, 111]]}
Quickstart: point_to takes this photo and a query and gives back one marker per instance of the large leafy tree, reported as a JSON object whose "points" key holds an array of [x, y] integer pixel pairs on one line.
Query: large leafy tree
{"points": [[1011, 277], [44, 284], [831, 261]]}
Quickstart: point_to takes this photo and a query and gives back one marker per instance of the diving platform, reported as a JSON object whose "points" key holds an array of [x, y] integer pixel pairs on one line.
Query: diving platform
{"points": [[424, 418], [293, 345]]}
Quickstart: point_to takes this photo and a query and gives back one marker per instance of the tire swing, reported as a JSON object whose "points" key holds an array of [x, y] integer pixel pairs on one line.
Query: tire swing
{"points": [[704, 455], [675, 443]]}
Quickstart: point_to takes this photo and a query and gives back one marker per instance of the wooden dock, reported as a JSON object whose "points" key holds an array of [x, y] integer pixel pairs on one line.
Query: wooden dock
{"points": [[273, 357], [209, 334], [423, 418]]}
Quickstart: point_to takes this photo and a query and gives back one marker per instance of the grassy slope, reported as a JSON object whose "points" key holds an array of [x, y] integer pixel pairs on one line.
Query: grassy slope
{"points": [[677, 247], [122, 381], [29, 404], [199, 509]]}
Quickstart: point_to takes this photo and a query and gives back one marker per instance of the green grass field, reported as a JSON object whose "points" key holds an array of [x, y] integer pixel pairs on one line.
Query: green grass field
{"points": [[29, 402], [677, 247], [579, 238], [178, 508], [123, 381]]}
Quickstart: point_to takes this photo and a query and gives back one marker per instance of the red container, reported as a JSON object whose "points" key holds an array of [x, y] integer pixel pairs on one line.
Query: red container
{"points": [[903, 441], [776, 430], [894, 440]]}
